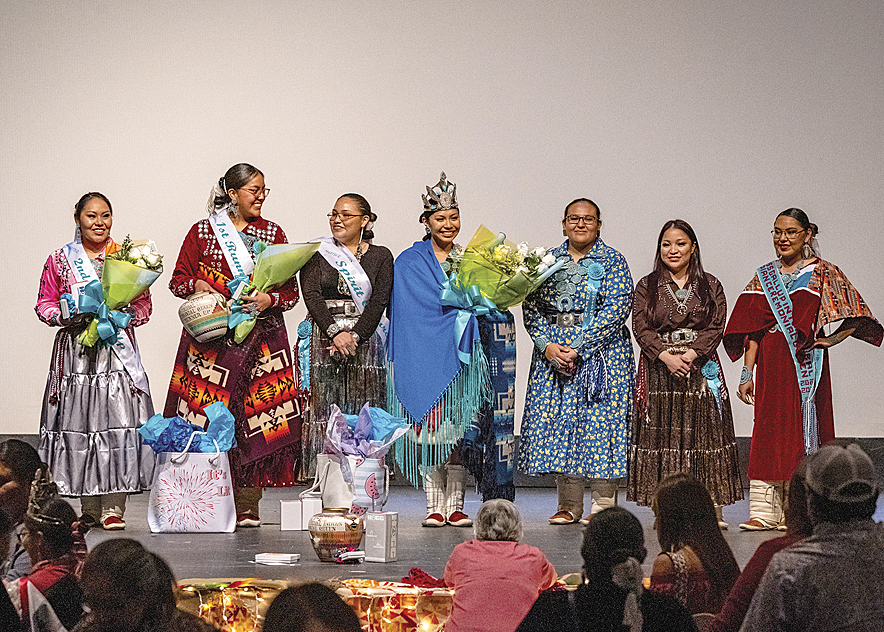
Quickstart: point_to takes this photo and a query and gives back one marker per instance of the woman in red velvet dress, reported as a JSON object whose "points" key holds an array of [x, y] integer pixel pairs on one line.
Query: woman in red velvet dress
{"points": [[819, 308], [256, 378]]}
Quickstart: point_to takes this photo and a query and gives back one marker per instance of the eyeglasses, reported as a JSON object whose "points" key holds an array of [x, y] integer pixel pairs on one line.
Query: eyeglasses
{"points": [[257, 193], [574, 220], [790, 233], [341, 216]]}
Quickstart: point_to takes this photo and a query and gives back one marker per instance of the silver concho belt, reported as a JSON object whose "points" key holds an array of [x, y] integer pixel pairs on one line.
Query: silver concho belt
{"points": [[678, 340], [565, 319], [342, 307]]}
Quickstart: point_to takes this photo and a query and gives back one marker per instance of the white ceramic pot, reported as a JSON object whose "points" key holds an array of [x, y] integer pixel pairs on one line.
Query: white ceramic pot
{"points": [[204, 316]]}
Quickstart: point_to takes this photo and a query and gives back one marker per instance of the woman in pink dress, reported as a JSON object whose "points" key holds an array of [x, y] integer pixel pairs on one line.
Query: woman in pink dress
{"points": [[96, 397]]}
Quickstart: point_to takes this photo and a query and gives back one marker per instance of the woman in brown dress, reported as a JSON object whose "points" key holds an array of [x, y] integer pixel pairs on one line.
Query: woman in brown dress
{"points": [[682, 418]]}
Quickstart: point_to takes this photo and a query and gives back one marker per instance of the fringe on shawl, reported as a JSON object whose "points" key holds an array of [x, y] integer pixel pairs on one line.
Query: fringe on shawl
{"points": [[430, 440]]}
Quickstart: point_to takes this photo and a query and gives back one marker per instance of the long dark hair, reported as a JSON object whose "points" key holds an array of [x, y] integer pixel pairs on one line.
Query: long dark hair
{"points": [[654, 310], [686, 517], [121, 573]]}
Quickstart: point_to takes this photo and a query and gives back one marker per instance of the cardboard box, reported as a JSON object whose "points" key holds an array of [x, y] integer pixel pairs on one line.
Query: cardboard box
{"points": [[381, 535], [295, 514]]}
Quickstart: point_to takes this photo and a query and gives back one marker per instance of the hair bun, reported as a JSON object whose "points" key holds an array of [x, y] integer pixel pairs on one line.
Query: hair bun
{"points": [[814, 229]]}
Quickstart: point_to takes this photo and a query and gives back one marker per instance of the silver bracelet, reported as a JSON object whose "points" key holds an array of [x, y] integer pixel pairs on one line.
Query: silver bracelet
{"points": [[745, 375]]}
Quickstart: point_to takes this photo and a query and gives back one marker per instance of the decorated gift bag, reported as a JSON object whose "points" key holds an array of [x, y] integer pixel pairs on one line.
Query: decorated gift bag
{"points": [[192, 492]]}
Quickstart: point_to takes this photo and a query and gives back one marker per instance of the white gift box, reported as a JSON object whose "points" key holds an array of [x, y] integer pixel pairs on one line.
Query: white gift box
{"points": [[381, 535], [295, 514]]}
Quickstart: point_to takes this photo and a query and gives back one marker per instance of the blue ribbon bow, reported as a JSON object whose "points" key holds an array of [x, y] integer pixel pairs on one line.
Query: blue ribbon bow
{"points": [[109, 321], [469, 301], [237, 313], [710, 371]]}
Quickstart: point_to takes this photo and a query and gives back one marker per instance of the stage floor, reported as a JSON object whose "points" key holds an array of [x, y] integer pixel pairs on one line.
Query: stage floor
{"points": [[232, 555]]}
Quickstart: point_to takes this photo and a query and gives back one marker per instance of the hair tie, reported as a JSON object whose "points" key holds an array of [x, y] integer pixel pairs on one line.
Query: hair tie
{"points": [[628, 576]]}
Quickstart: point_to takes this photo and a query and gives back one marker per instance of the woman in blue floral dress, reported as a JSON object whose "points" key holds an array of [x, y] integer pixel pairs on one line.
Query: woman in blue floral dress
{"points": [[578, 407]]}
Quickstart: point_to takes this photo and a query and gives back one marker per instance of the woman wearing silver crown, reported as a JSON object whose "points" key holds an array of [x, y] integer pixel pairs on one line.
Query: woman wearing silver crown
{"points": [[578, 406], [346, 288], [450, 396]]}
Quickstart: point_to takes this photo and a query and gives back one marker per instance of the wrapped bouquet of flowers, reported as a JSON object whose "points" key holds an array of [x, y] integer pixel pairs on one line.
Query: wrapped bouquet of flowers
{"points": [[127, 272], [274, 265], [503, 272]]}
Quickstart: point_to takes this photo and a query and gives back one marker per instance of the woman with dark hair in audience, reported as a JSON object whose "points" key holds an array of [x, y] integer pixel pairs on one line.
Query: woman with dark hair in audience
{"points": [[256, 378], [682, 413], [346, 288], [611, 597], [810, 298], [798, 527], [129, 588], [495, 578], [19, 463], [310, 607], [56, 546], [697, 567], [97, 397]]}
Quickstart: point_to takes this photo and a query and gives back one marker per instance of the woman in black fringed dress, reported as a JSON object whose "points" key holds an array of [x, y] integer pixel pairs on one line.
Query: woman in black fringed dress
{"points": [[343, 348]]}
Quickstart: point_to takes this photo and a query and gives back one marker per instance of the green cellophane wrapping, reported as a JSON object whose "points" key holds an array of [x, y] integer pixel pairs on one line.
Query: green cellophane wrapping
{"points": [[504, 289], [275, 265], [121, 282]]}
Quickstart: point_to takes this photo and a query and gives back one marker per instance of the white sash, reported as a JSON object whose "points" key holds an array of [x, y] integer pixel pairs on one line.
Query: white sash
{"points": [[810, 367], [84, 273], [235, 252], [81, 267], [342, 260]]}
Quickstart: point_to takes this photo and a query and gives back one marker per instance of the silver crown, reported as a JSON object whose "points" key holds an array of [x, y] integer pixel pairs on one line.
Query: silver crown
{"points": [[442, 197]]}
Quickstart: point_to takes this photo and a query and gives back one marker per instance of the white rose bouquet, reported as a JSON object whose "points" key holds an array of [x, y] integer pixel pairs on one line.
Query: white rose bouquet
{"points": [[127, 272], [504, 272]]}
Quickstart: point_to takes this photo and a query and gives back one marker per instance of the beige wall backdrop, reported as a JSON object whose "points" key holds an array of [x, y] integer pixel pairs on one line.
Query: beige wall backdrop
{"points": [[721, 113]]}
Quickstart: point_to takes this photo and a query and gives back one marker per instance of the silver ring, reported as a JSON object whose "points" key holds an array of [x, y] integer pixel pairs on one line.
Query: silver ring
{"points": [[555, 364]]}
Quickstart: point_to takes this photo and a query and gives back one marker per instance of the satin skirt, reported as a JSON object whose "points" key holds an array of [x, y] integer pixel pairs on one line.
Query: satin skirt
{"points": [[90, 419]]}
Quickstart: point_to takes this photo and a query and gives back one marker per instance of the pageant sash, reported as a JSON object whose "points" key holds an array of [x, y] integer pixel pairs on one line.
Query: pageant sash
{"points": [[809, 367], [84, 273], [80, 266], [342, 260], [235, 252]]}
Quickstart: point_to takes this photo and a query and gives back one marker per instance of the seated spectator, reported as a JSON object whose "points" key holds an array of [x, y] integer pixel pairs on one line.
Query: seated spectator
{"points": [[310, 608], [697, 567], [611, 597], [19, 462], [9, 619], [495, 579], [798, 527], [57, 549], [128, 588], [830, 580]]}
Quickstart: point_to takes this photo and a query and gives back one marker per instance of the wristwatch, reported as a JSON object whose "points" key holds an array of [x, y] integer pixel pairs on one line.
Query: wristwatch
{"points": [[355, 336]]}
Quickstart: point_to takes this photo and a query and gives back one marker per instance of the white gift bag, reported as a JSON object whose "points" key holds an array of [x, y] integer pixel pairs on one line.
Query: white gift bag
{"points": [[192, 492], [356, 496]]}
